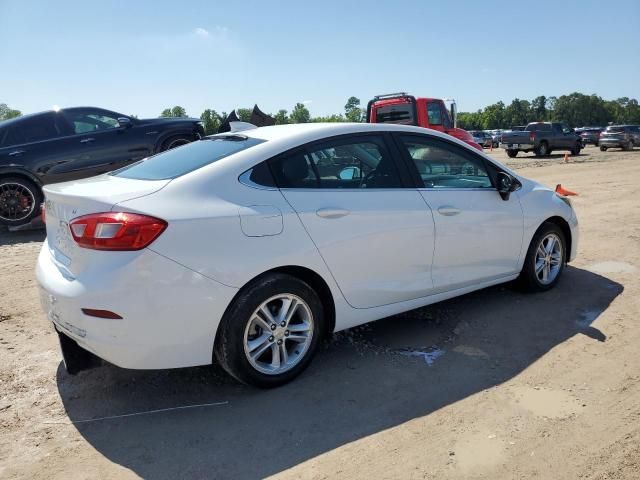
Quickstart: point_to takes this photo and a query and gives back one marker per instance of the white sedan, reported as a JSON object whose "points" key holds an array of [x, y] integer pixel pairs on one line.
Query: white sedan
{"points": [[246, 248]]}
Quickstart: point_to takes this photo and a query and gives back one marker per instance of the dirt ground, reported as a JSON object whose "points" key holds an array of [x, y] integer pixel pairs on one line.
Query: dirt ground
{"points": [[495, 384]]}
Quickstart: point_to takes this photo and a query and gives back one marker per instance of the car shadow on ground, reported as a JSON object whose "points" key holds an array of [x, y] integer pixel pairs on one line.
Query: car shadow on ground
{"points": [[363, 381], [26, 236]]}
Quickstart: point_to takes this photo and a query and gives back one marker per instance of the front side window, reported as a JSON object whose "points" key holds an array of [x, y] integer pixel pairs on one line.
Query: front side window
{"points": [[187, 158], [434, 113], [88, 121], [357, 163], [444, 165]]}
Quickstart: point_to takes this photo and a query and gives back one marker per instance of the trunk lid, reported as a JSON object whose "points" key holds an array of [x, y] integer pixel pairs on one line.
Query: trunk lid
{"points": [[69, 200]]}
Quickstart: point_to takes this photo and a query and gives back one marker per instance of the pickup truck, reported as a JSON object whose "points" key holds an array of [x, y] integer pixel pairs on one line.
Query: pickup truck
{"points": [[406, 109], [542, 138]]}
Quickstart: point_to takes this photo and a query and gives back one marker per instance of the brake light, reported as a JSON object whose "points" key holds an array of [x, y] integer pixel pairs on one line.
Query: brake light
{"points": [[116, 230], [532, 137]]}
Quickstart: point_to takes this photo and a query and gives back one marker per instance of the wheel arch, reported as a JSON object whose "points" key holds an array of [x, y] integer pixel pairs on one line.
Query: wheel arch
{"points": [[566, 230], [18, 172], [162, 138], [314, 280]]}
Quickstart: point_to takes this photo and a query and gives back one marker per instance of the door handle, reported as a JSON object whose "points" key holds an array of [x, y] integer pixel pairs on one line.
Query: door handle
{"points": [[332, 212], [448, 211], [87, 140], [16, 153]]}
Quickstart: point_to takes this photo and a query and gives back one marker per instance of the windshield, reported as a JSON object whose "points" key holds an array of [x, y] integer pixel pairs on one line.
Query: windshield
{"points": [[402, 114], [187, 158]]}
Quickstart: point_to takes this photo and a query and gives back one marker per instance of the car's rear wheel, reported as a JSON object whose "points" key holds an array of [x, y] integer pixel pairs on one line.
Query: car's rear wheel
{"points": [[603, 149], [271, 331], [20, 201], [174, 142], [545, 260], [512, 153]]}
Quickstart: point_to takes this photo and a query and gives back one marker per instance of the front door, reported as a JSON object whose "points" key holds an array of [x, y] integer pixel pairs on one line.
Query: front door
{"points": [[478, 235], [375, 235]]}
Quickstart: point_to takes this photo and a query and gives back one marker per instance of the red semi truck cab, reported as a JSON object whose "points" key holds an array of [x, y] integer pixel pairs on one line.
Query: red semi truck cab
{"points": [[406, 109]]}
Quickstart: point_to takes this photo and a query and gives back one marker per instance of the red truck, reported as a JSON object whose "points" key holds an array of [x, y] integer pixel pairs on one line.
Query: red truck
{"points": [[423, 112]]}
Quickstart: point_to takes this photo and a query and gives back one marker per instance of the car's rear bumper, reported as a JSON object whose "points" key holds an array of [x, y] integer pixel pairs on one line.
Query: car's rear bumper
{"points": [[517, 146], [170, 314], [617, 142]]}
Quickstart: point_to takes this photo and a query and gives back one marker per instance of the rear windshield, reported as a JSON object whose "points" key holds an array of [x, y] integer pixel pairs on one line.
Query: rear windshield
{"points": [[402, 114], [187, 158]]}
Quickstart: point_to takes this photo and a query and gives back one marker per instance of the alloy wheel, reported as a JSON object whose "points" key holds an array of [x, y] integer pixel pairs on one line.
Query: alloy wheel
{"points": [[549, 257], [17, 202], [278, 334]]}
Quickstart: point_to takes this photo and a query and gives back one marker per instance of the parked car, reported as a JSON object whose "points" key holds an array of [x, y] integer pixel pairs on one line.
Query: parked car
{"points": [[74, 143], [542, 138], [590, 135], [481, 138], [246, 248], [404, 109], [620, 136]]}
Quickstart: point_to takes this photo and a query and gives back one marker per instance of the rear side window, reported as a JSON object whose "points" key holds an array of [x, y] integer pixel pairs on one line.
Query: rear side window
{"points": [[34, 129], [187, 158], [359, 162], [402, 114]]}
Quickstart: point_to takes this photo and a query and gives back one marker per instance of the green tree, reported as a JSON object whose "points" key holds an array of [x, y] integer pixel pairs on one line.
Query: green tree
{"points": [[335, 118], [352, 110], [539, 108], [244, 114], [300, 114], [211, 121], [281, 117], [6, 113], [176, 111]]}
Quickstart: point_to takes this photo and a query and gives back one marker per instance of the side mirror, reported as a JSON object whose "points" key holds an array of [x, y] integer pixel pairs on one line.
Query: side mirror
{"points": [[349, 173], [507, 184], [124, 122]]}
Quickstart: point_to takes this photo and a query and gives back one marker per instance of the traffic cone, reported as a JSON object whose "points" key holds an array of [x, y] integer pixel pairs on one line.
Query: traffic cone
{"points": [[564, 192], [566, 157]]}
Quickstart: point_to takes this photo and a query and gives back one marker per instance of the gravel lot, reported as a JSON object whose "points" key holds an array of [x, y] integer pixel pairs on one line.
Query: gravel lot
{"points": [[519, 386]]}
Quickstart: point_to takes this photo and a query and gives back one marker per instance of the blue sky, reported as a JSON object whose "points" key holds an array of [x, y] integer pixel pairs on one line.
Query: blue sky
{"points": [[138, 57]]}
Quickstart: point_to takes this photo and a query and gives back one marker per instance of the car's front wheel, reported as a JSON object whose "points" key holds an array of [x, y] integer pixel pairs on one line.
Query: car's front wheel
{"points": [[271, 331], [545, 260], [20, 201]]}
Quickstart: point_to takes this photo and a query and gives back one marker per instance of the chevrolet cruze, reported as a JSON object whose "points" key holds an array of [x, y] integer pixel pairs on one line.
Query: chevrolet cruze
{"points": [[246, 248]]}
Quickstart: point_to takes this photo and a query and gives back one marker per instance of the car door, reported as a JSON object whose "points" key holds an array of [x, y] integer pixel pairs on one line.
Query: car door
{"points": [[37, 143], [478, 235], [101, 144], [371, 228]]}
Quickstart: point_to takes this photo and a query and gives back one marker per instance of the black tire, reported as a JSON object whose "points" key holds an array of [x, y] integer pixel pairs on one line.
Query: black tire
{"points": [[512, 153], [528, 279], [576, 149], [542, 150], [229, 345], [18, 192], [175, 141], [603, 149]]}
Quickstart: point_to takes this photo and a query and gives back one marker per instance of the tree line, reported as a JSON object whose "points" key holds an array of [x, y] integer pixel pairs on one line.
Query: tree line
{"points": [[299, 114], [575, 109]]}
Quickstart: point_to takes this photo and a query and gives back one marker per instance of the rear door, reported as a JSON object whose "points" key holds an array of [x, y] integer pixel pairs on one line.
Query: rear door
{"points": [[478, 235], [372, 229]]}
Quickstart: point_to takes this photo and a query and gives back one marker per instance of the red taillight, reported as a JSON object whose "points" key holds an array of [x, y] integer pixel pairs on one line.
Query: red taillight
{"points": [[116, 230], [532, 137], [92, 312]]}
